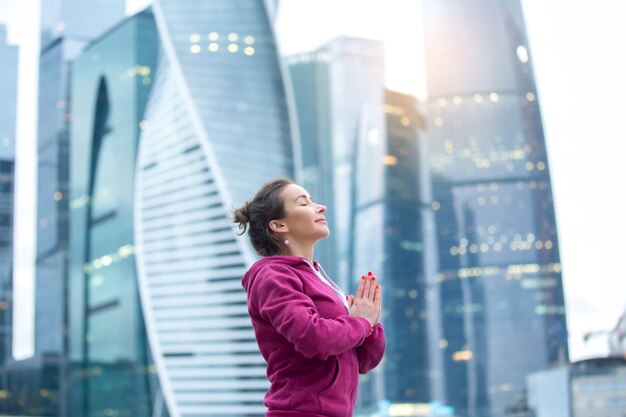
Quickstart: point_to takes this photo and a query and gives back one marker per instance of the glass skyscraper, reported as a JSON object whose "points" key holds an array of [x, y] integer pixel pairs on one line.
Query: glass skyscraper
{"points": [[8, 98], [216, 128], [110, 370], [8, 106], [66, 27], [502, 306], [335, 87], [272, 8], [394, 233]]}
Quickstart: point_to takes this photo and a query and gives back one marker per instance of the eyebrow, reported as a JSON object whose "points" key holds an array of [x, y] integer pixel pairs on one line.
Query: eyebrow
{"points": [[300, 196]]}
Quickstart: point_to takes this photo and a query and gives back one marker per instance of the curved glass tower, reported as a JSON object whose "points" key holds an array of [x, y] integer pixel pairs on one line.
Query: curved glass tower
{"points": [[500, 276], [216, 128], [110, 369]]}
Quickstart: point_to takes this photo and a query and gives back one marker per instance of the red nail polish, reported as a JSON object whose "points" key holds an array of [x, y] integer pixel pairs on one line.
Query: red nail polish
{"points": [[363, 277], [347, 298], [369, 273], [373, 278], [378, 286]]}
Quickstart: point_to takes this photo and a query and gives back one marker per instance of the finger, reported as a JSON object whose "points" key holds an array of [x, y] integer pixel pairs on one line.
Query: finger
{"points": [[380, 303], [374, 284], [359, 290], [350, 299], [367, 288], [378, 295], [374, 292]]}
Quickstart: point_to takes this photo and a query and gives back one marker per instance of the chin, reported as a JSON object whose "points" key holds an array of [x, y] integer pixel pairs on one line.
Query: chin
{"points": [[323, 233]]}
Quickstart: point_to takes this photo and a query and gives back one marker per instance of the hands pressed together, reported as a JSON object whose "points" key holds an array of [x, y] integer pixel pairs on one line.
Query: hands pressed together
{"points": [[367, 303]]}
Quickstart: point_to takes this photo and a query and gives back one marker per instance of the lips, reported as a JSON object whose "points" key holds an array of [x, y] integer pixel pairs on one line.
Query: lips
{"points": [[320, 220]]}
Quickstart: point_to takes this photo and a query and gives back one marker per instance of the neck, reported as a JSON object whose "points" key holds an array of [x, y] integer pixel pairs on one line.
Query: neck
{"points": [[298, 249]]}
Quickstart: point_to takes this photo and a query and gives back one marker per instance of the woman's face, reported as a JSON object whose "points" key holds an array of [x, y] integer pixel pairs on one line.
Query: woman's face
{"points": [[305, 221]]}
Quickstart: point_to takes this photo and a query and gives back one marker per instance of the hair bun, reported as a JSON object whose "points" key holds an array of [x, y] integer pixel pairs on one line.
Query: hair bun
{"points": [[241, 216]]}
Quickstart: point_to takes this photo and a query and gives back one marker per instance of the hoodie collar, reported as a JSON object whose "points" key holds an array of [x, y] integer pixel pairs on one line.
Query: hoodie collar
{"points": [[297, 262]]}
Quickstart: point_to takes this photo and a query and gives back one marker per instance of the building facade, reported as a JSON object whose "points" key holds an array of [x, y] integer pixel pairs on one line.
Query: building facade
{"points": [[217, 126], [110, 366], [393, 232], [8, 106], [598, 387], [66, 27], [589, 388], [502, 305], [8, 97]]}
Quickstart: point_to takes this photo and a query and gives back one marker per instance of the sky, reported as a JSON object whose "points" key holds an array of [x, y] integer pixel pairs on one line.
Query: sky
{"points": [[579, 62]]}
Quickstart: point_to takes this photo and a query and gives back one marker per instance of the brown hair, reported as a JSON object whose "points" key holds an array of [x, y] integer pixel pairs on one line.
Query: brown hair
{"points": [[255, 216]]}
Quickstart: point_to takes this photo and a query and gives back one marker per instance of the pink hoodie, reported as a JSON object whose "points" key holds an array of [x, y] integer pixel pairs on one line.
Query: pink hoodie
{"points": [[313, 348]]}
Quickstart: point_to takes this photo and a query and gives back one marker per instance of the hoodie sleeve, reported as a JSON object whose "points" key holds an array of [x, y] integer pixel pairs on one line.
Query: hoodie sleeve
{"points": [[278, 294], [370, 353]]}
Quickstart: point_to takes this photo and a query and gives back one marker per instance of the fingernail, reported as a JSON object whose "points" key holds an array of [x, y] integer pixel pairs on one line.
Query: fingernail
{"points": [[347, 298], [363, 277], [369, 273], [373, 278], [378, 286]]}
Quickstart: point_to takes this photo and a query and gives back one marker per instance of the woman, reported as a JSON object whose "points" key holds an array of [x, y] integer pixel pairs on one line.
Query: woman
{"points": [[314, 339]]}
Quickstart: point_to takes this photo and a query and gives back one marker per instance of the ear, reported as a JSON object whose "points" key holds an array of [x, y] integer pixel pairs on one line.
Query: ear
{"points": [[278, 226]]}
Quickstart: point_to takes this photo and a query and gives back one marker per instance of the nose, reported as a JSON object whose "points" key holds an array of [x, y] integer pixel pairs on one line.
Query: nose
{"points": [[321, 208]]}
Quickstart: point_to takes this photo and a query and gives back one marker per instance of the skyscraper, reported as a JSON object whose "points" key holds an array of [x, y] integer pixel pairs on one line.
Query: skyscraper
{"points": [[8, 106], [8, 97], [394, 234], [500, 275], [335, 87], [66, 27], [216, 128], [272, 8], [110, 360]]}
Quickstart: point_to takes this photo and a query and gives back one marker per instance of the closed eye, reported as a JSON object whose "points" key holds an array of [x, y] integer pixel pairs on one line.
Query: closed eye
{"points": [[304, 200]]}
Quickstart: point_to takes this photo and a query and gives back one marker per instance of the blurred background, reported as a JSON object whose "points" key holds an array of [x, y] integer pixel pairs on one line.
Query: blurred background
{"points": [[468, 151]]}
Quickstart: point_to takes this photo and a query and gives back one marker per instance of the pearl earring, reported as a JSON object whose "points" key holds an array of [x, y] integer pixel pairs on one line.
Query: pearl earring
{"points": [[286, 241]]}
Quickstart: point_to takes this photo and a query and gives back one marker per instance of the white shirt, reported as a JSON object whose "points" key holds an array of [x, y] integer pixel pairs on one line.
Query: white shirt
{"points": [[325, 279]]}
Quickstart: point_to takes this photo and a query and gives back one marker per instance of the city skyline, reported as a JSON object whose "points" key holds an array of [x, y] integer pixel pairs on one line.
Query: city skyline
{"points": [[590, 307], [577, 81], [592, 304]]}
